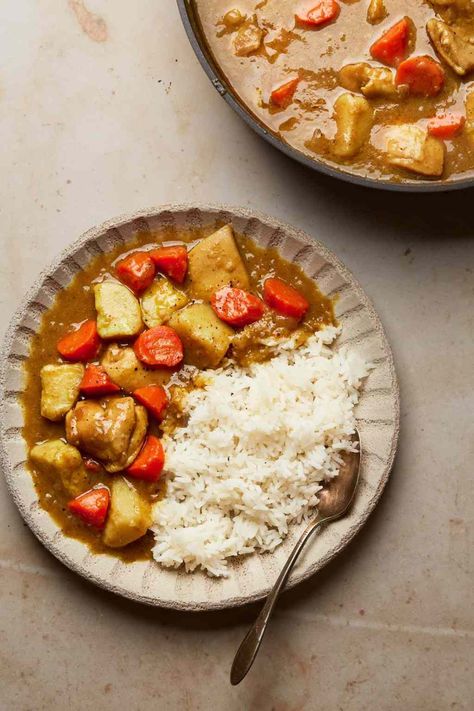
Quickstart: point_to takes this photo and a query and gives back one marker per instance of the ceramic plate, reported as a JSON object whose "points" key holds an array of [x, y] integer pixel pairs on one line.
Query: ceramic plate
{"points": [[250, 577]]}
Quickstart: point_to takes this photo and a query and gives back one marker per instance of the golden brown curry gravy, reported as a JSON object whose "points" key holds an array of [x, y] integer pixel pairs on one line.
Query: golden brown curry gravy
{"points": [[316, 56], [76, 303]]}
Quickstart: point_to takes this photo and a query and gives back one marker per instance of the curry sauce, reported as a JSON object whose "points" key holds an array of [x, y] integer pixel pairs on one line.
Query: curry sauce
{"points": [[315, 56], [75, 304]]}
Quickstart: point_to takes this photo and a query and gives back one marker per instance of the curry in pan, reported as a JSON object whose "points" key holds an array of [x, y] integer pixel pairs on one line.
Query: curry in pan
{"points": [[380, 88]]}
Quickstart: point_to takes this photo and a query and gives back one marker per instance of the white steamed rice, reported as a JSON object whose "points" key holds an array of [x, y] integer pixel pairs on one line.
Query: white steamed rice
{"points": [[258, 445]]}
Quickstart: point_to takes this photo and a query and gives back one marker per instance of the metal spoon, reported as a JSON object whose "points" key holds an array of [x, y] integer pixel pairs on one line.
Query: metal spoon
{"points": [[334, 502]]}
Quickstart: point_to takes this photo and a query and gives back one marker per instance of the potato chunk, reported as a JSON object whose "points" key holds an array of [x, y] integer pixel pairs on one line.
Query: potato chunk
{"points": [[411, 147], [372, 82], [160, 301], [63, 461], [376, 12], [205, 337], [452, 46], [118, 311], [470, 117], [214, 262], [129, 515], [249, 37], [354, 118], [59, 389], [124, 368]]}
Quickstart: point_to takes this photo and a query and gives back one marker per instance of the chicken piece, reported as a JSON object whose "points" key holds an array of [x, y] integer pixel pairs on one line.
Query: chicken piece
{"points": [[160, 301], [215, 262], [248, 38], [469, 129], [118, 311], [354, 118], [456, 50], [123, 367], [204, 336], [64, 461], [372, 82], [411, 147], [111, 429], [376, 12], [59, 389], [129, 515]]}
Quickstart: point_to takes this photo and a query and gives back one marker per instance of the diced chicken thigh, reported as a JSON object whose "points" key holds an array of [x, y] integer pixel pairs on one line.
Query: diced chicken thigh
{"points": [[63, 461], [118, 311], [59, 389], [123, 367], [411, 147], [455, 48], [248, 38], [215, 262], [354, 118], [160, 301], [372, 82], [111, 429]]}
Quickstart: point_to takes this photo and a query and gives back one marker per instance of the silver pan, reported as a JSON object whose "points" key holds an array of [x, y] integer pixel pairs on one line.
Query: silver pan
{"points": [[198, 42]]}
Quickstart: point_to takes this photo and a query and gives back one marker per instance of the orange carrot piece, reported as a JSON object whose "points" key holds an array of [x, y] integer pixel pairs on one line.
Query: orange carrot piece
{"points": [[283, 94], [422, 75], [154, 398], [236, 306], [284, 298], [150, 461], [317, 12], [446, 125], [82, 344], [172, 261], [95, 381], [137, 271], [92, 506], [160, 345], [92, 465], [393, 46]]}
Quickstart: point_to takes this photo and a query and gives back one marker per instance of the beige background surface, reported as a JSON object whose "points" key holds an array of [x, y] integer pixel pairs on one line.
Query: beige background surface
{"points": [[109, 112]]}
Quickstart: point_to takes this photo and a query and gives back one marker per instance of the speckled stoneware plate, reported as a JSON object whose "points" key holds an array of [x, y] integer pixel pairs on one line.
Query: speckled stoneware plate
{"points": [[252, 576]]}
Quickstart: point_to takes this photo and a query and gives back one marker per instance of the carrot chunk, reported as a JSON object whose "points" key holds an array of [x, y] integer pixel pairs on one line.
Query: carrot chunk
{"points": [[446, 125], [96, 382], [172, 261], [82, 344], [92, 465], [154, 398], [150, 461], [317, 13], [284, 298], [422, 75], [392, 47], [92, 506], [283, 94], [236, 306], [137, 271], [160, 345]]}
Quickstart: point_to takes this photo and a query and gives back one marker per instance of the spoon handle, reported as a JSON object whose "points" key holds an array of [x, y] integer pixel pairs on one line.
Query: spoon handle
{"points": [[249, 647]]}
